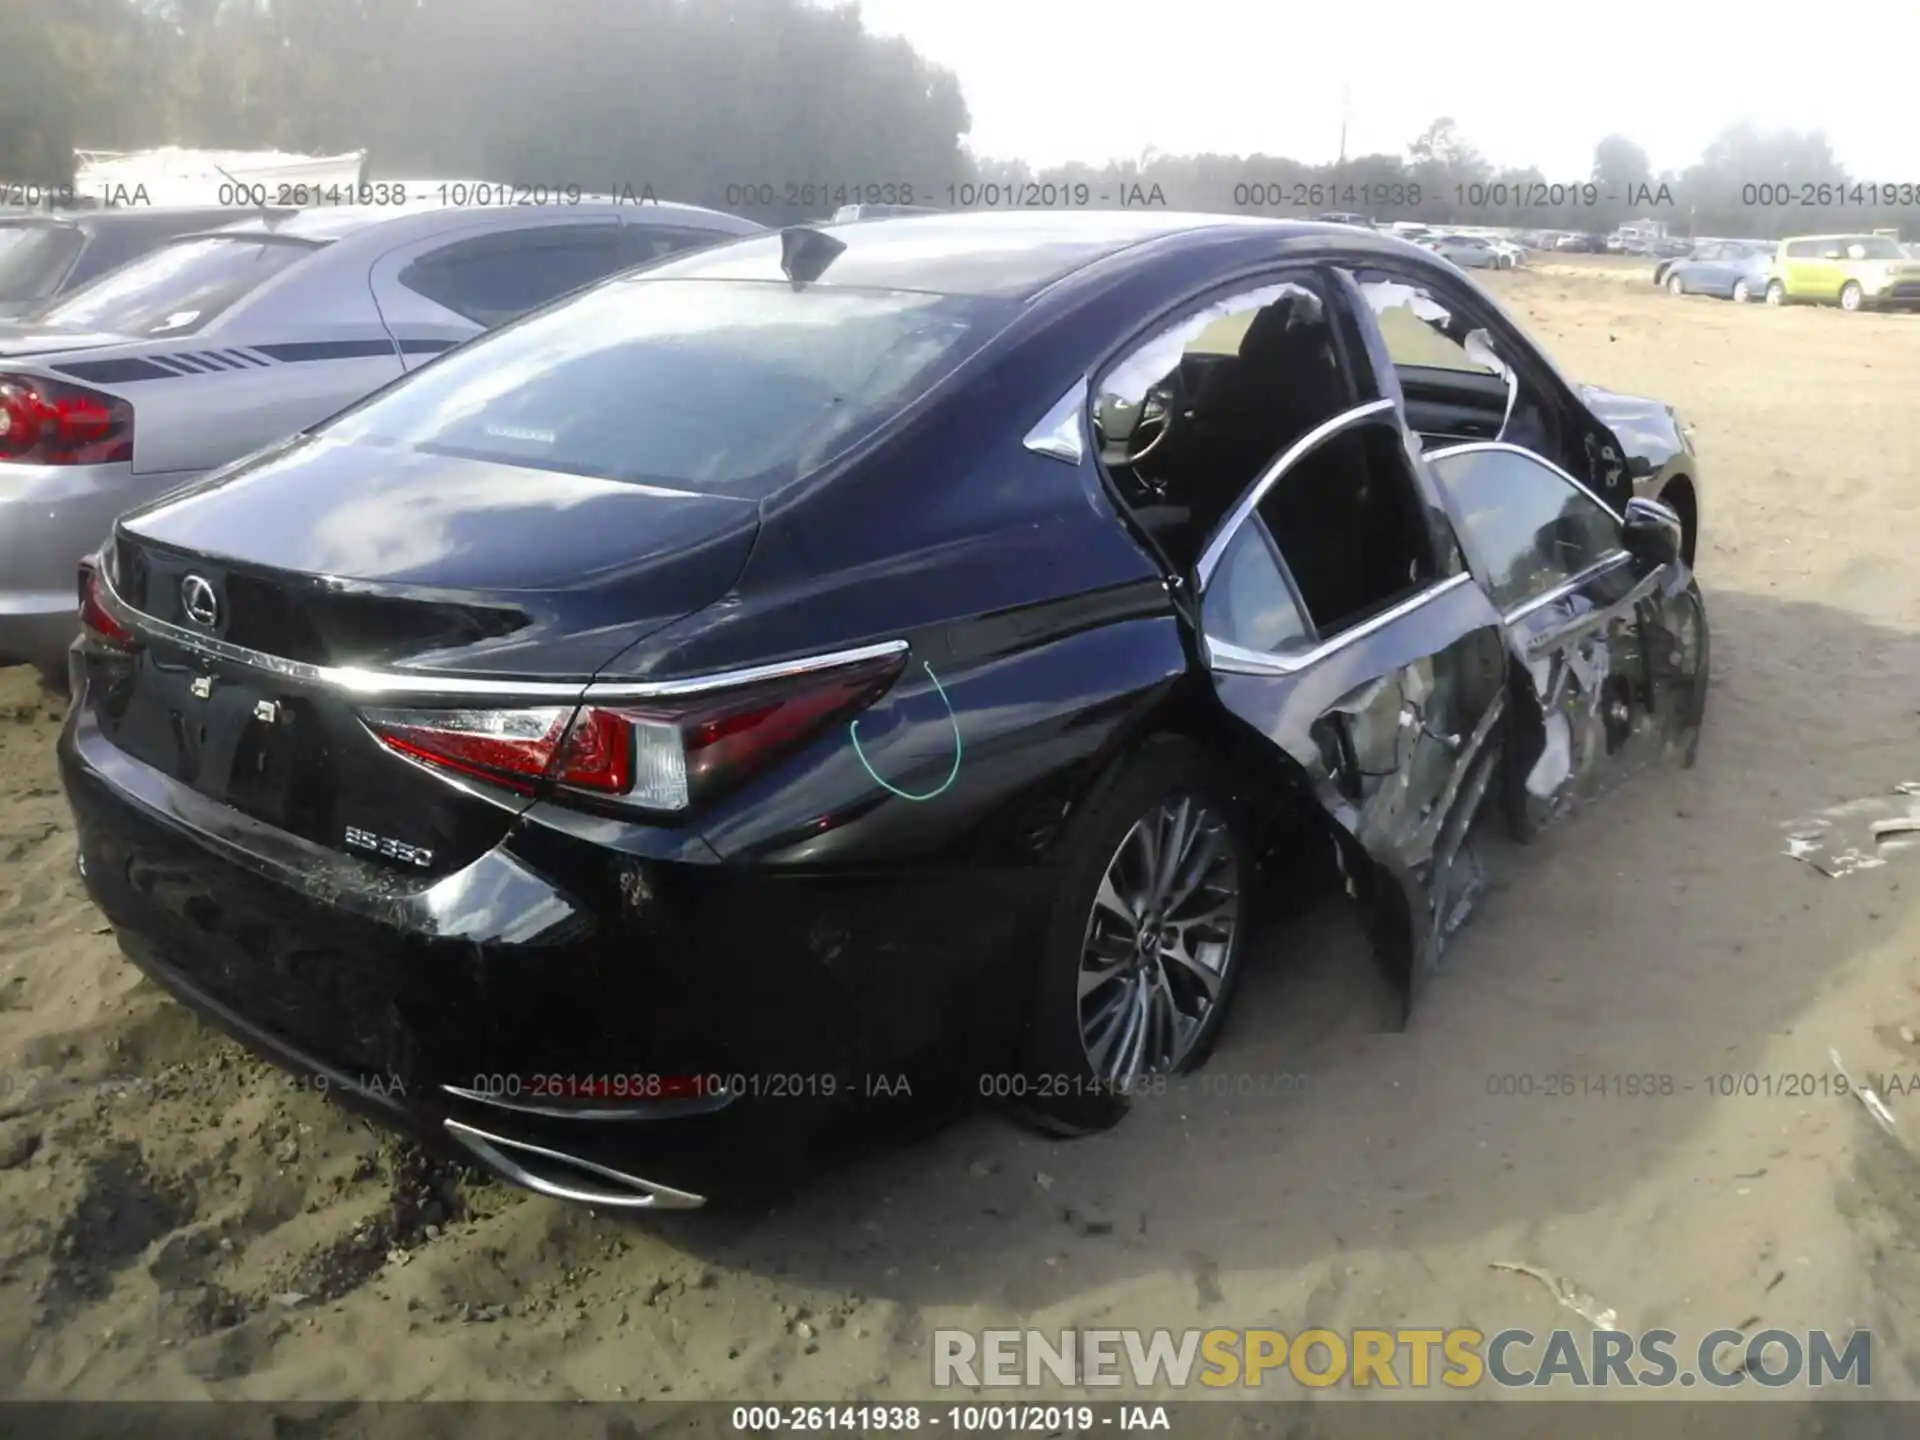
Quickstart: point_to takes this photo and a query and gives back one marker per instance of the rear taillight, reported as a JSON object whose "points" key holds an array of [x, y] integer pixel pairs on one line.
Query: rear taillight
{"points": [[94, 618], [47, 422], [666, 755]]}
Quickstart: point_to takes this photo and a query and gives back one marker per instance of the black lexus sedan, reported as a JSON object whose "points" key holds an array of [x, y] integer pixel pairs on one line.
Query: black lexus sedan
{"points": [[853, 655]]}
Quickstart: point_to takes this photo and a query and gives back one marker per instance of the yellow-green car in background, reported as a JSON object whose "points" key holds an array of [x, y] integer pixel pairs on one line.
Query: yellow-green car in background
{"points": [[1856, 272]]}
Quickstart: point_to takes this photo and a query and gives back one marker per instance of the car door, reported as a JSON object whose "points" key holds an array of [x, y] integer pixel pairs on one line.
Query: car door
{"points": [[1337, 620], [436, 293], [1802, 269], [1705, 272], [1494, 369], [1604, 645]]}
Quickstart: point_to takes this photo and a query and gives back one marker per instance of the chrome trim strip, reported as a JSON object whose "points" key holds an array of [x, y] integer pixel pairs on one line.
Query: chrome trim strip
{"points": [[651, 1196], [750, 675], [1605, 563], [1061, 433], [1238, 660], [372, 684], [1522, 450], [1236, 517], [1553, 639], [667, 1107]]}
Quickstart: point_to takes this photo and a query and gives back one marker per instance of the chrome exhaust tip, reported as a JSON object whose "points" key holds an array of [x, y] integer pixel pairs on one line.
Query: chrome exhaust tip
{"points": [[568, 1177]]}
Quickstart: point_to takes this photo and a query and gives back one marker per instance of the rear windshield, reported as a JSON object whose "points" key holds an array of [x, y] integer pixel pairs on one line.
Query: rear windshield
{"points": [[34, 259], [179, 288], [721, 386]]}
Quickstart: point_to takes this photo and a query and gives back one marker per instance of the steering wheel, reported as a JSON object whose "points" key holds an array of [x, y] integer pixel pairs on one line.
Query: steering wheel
{"points": [[1162, 414]]}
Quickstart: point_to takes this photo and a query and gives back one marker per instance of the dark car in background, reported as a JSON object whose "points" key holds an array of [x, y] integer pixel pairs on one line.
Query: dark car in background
{"points": [[890, 651], [43, 255]]}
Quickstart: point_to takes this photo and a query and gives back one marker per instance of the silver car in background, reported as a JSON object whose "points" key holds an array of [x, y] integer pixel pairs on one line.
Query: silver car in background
{"points": [[1470, 252], [219, 344], [45, 254]]}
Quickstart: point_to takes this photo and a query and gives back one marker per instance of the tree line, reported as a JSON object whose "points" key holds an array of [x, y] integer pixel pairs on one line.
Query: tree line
{"points": [[777, 109]]}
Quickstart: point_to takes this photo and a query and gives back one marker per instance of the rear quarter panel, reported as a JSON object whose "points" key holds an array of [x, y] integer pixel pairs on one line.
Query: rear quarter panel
{"points": [[199, 421], [1041, 632]]}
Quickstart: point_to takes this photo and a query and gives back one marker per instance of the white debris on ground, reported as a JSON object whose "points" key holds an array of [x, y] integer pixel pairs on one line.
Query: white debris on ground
{"points": [[1858, 835]]}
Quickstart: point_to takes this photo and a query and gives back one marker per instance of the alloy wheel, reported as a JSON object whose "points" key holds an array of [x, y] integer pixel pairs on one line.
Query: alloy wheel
{"points": [[1675, 285], [1850, 297], [1742, 292], [1159, 940]]}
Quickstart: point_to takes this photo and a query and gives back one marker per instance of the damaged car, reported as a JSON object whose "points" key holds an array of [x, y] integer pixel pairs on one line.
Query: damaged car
{"points": [[859, 655]]}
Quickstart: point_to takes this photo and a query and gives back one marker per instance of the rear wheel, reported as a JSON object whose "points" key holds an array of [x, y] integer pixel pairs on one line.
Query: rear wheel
{"points": [[1141, 953], [1742, 292], [1851, 296]]}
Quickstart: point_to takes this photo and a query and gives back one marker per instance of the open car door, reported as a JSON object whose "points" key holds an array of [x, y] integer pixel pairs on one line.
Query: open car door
{"points": [[1605, 626], [1337, 621]]}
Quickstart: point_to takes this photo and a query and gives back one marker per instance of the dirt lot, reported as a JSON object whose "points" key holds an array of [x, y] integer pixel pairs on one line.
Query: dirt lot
{"points": [[181, 1224]]}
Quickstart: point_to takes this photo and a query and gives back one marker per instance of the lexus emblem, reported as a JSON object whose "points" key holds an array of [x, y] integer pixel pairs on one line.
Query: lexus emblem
{"points": [[199, 602]]}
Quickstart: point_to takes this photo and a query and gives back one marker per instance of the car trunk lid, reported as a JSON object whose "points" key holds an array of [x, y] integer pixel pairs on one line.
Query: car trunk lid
{"points": [[24, 337], [357, 579]]}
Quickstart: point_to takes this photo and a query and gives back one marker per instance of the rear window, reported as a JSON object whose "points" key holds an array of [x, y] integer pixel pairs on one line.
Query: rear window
{"points": [[34, 259], [179, 288], [720, 386]]}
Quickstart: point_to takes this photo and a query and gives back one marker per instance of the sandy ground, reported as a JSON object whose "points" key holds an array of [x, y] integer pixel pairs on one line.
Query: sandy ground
{"points": [[180, 1224]]}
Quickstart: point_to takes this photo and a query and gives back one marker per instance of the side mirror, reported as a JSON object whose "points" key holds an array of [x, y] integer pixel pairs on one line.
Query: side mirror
{"points": [[1652, 532]]}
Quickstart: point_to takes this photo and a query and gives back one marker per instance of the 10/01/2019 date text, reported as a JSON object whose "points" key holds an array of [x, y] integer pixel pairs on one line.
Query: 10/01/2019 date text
{"points": [[1018, 1419]]}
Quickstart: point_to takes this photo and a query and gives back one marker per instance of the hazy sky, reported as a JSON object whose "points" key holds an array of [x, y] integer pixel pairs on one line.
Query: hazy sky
{"points": [[1528, 83]]}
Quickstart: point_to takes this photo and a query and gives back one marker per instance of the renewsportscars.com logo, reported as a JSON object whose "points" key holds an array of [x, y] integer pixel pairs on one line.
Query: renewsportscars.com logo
{"points": [[1401, 1358]]}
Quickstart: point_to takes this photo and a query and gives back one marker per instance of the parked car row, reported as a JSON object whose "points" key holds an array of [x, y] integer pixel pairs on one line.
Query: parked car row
{"points": [[1855, 272], [904, 648]]}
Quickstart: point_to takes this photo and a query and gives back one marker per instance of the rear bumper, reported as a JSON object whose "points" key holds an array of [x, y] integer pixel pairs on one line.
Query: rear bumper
{"points": [[585, 1020], [532, 1151]]}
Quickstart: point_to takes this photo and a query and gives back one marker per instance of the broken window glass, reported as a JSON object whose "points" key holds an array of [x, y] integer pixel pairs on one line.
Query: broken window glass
{"points": [[1187, 421]]}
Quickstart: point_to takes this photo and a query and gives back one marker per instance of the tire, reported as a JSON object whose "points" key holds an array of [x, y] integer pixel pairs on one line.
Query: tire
{"points": [[1852, 296], [1694, 719], [1776, 293], [1742, 292], [1676, 286], [1065, 1093]]}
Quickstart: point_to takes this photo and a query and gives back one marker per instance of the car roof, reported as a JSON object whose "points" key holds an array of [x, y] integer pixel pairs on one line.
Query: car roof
{"points": [[421, 219], [1003, 254]]}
